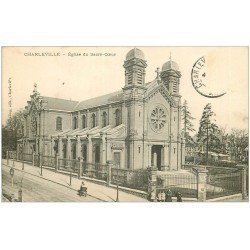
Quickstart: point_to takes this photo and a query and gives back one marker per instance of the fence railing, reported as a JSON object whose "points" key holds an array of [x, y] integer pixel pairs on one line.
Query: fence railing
{"points": [[69, 165], [135, 179], [185, 183], [95, 170], [223, 184], [27, 157], [12, 155], [217, 181], [49, 161]]}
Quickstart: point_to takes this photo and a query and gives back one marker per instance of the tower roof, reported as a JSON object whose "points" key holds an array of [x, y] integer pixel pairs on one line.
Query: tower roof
{"points": [[170, 65], [135, 53]]}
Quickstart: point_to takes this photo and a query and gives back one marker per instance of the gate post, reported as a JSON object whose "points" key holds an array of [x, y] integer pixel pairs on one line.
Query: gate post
{"points": [[201, 184], [152, 181], [56, 162], [7, 154], [33, 159], [109, 167], [80, 170], [243, 171]]}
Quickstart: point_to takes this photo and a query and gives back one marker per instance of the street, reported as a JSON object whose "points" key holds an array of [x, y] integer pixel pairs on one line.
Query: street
{"points": [[35, 189]]}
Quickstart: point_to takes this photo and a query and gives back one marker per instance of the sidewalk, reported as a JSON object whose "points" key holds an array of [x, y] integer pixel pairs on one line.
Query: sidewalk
{"points": [[100, 192]]}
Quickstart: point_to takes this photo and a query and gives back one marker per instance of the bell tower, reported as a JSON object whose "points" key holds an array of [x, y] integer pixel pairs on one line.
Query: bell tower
{"points": [[170, 75], [133, 94], [135, 65]]}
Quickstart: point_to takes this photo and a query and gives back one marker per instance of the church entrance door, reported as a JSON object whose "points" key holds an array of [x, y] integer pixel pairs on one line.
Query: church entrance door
{"points": [[157, 156]]}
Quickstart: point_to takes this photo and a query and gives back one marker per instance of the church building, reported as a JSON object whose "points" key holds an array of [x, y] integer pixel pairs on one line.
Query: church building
{"points": [[135, 128]]}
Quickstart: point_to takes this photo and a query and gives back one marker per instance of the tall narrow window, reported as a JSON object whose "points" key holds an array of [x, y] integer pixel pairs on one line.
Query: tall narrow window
{"points": [[117, 117], [93, 120], [75, 123], [84, 121], [104, 119], [59, 123]]}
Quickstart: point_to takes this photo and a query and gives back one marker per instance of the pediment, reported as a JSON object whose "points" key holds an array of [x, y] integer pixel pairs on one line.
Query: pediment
{"points": [[160, 88]]}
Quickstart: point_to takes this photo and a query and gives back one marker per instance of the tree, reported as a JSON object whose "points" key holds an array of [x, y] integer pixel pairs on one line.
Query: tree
{"points": [[208, 130], [187, 122], [237, 143], [12, 131]]}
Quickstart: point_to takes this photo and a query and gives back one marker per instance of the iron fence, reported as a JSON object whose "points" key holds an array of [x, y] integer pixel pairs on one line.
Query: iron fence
{"points": [[12, 155], [223, 184], [36, 160], [27, 157], [95, 170], [135, 179], [69, 165], [49, 161], [185, 183]]}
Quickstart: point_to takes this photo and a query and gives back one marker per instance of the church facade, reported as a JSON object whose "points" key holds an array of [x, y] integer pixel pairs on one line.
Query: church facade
{"points": [[135, 128]]}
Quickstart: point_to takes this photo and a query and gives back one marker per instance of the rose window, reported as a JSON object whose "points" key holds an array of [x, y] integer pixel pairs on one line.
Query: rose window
{"points": [[158, 118]]}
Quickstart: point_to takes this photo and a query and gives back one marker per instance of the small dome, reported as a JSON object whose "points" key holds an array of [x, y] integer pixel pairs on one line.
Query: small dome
{"points": [[170, 65], [135, 53]]}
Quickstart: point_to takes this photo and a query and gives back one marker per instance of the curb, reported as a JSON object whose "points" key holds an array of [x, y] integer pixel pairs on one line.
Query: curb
{"points": [[52, 181]]}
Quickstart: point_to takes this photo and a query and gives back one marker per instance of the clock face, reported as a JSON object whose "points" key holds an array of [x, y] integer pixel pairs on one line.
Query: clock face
{"points": [[157, 118], [202, 82]]}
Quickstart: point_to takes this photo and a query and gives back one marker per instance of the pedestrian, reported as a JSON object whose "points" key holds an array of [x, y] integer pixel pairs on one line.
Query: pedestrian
{"points": [[163, 196], [179, 197], [159, 196], [82, 188], [152, 196], [168, 196]]}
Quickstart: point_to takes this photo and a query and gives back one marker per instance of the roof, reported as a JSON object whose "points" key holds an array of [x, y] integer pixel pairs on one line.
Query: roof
{"points": [[100, 100], [135, 53], [69, 105], [170, 65], [59, 104]]}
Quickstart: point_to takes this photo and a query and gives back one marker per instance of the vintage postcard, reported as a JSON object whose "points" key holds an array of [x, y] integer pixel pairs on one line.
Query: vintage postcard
{"points": [[125, 124]]}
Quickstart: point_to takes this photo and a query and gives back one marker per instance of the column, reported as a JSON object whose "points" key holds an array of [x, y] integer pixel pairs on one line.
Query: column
{"points": [[149, 155], [68, 148], [60, 147], [90, 150], [242, 169], [78, 147], [152, 183], [103, 150], [109, 150], [122, 163], [165, 158], [109, 167], [155, 159]]}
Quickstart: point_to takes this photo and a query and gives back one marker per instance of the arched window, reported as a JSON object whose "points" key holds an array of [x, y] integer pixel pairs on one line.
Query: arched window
{"points": [[75, 123], [104, 119], [84, 125], [59, 123], [117, 117], [93, 120]]}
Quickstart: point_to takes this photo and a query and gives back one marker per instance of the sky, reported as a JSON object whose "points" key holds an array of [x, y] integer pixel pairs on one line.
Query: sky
{"points": [[80, 73]]}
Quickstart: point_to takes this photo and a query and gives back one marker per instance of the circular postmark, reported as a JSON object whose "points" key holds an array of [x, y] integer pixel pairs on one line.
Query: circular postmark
{"points": [[199, 76]]}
